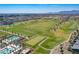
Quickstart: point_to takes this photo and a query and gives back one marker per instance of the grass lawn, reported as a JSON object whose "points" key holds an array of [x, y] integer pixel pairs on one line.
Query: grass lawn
{"points": [[52, 42], [61, 35], [3, 34], [70, 26], [39, 50], [35, 40], [29, 28]]}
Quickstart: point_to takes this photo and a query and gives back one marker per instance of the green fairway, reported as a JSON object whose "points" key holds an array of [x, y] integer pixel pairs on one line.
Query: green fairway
{"points": [[61, 34], [30, 28]]}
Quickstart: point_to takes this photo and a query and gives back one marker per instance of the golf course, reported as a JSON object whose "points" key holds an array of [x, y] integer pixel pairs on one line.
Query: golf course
{"points": [[44, 34]]}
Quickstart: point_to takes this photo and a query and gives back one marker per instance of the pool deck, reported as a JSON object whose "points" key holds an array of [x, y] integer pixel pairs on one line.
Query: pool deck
{"points": [[11, 43], [10, 49]]}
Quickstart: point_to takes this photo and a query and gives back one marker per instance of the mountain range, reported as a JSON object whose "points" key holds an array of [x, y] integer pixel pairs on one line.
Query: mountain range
{"points": [[66, 12]]}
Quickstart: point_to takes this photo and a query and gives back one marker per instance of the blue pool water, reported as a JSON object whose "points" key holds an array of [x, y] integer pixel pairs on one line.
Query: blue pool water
{"points": [[6, 51], [13, 37], [9, 49]]}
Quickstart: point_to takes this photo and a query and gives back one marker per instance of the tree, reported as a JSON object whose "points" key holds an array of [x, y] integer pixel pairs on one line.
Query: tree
{"points": [[77, 31], [61, 49]]}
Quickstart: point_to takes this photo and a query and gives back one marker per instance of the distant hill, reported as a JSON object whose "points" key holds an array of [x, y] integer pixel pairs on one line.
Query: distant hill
{"points": [[69, 12], [66, 12]]}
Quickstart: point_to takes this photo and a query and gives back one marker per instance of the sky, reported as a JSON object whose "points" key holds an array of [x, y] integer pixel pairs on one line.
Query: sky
{"points": [[36, 8]]}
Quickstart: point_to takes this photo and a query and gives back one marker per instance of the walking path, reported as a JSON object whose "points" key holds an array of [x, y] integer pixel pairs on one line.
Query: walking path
{"points": [[42, 46]]}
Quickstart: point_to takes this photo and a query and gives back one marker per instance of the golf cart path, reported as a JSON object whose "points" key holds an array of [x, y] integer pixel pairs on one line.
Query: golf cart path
{"points": [[42, 46]]}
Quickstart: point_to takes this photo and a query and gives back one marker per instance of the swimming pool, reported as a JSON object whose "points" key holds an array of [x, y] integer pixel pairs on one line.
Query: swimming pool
{"points": [[11, 47], [12, 38], [7, 50]]}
